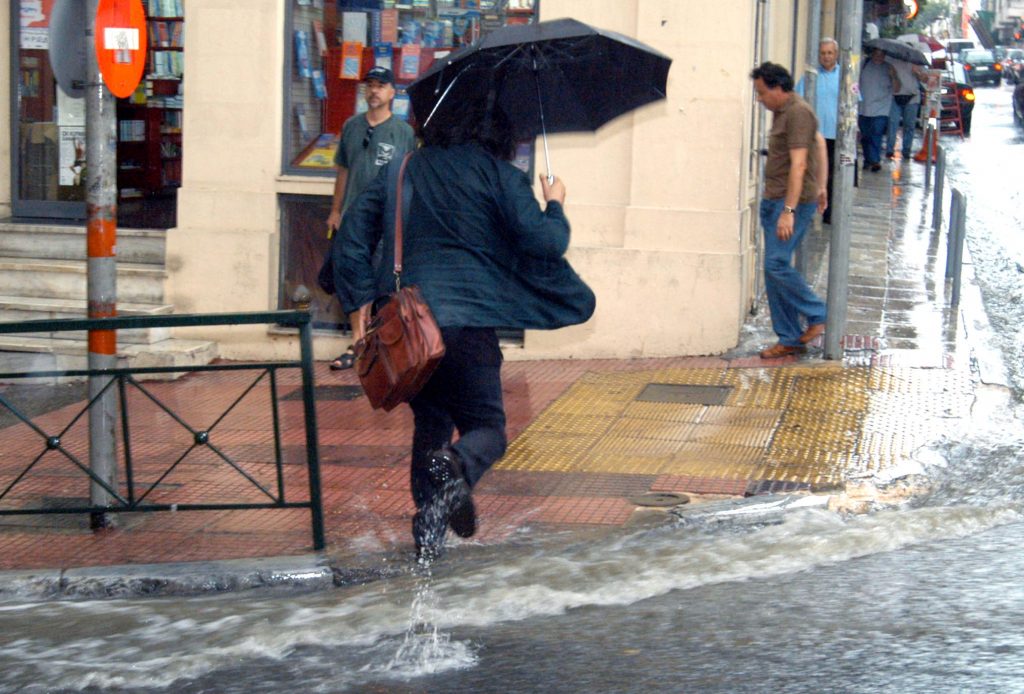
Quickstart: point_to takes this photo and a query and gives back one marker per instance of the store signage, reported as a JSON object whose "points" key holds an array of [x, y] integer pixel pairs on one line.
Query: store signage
{"points": [[67, 49], [121, 44], [34, 18]]}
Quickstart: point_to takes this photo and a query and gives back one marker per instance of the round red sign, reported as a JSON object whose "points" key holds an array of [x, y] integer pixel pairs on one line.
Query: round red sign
{"points": [[121, 44]]}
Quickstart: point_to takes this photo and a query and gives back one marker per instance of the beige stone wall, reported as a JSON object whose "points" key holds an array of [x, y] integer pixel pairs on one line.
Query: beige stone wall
{"points": [[661, 201], [5, 112], [223, 254], [658, 199]]}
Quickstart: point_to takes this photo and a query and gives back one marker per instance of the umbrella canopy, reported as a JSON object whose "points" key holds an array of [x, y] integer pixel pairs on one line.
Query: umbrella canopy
{"points": [[898, 50], [555, 76]]}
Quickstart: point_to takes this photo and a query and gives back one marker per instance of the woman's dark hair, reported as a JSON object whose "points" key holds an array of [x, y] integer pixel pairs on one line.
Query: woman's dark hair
{"points": [[773, 75], [479, 122]]}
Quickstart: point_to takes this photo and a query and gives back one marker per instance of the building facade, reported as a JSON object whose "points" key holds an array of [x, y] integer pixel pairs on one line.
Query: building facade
{"points": [[662, 201]]}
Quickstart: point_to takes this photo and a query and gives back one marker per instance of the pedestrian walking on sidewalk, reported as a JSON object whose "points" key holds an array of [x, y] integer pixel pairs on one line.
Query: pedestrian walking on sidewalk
{"points": [[485, 255], [906, 103], [792, 193], [368, 141], [826, 108], [878, 83]]}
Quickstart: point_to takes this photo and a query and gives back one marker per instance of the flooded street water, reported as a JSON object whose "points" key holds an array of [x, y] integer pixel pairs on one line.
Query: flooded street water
{"points": [[924, 598]]}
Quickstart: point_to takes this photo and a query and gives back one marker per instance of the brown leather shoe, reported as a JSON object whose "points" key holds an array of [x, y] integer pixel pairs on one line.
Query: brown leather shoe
{"points": [[777, 351], [812, 332]]}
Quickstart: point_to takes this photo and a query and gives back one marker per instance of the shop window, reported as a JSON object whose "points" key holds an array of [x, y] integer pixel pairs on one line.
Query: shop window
{"points": [[303, 248], [49, 134], [332, 43]]}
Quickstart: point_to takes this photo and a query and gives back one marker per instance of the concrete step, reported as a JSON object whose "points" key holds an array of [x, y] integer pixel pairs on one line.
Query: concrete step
{"points": [[22, 308], [66, 279], [23, 354], [67, 242]]}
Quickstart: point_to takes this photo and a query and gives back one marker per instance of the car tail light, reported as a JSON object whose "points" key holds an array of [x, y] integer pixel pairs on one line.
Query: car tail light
{"points": [[966, 66], [967, 94], [998, 66]]}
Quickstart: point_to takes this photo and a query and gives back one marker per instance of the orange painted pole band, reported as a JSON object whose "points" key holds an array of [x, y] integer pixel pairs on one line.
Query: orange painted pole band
{"points": [[103, 342], [101, 239]]}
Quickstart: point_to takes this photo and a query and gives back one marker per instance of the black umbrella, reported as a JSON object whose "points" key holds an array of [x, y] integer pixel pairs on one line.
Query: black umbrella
{"points": [[898, 50], [556, 76]]}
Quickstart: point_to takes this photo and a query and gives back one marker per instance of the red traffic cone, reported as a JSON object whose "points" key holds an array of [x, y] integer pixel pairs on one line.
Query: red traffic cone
{"points": [[923, 154]]}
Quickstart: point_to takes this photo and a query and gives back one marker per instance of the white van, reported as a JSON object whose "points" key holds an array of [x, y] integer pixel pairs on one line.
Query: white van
{"points": [[954, 46]]}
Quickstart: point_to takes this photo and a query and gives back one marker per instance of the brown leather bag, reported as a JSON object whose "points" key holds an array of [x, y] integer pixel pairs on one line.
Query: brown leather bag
{"points": [[402, 346]]}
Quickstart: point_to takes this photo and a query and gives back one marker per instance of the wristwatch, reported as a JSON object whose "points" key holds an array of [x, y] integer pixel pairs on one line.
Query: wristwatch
{"points": [[787, 208]]}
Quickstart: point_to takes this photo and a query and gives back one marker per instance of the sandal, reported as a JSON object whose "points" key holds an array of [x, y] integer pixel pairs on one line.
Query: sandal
{"points": [[346, 361]]}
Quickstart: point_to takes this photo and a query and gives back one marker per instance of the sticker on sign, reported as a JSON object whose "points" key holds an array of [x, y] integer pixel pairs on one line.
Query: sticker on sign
{"points": [[121, 39]]}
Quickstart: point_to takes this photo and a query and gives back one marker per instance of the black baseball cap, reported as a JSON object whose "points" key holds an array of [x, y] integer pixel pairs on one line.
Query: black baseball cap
{"points": [[381, 74]]}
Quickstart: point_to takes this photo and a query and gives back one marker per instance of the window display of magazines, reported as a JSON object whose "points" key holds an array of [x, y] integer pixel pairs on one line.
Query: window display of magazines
{"points": [[165, 8], [406, 37]]}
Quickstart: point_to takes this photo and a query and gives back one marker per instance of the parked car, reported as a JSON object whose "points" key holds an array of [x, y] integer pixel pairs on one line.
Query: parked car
{"points": [[956, 81], [1018, 103], [981, 66], [1013, 65]]}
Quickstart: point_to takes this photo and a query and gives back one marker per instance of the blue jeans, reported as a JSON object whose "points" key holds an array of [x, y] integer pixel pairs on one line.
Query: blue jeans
{"points": [[465, 394], [789, 296], [908, 116], [872, 128]]}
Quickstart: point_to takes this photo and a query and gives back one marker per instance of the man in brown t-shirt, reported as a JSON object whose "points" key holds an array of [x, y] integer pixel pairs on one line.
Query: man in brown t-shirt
{"points": [[792, 194]]}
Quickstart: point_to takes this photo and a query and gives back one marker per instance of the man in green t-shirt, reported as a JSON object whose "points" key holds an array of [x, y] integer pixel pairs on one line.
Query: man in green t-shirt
{"points": [[368, 141]]}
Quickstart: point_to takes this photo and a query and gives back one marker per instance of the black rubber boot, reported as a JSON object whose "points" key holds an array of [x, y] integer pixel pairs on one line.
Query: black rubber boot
{"points": [[454, 496]]}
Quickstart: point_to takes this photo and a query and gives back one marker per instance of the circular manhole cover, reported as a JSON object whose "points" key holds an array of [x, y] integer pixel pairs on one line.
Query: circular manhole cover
{"points": [[660, 499]]}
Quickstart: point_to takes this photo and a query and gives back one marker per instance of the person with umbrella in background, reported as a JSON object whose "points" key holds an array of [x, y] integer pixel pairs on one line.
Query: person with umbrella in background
{"points": [[905, 105], [878, 82], [482, 250]]}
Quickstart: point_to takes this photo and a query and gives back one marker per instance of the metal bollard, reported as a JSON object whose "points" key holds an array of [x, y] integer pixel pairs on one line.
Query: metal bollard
{"points": [[954, 212], [940, 175], [929, 150], [958, 247]]}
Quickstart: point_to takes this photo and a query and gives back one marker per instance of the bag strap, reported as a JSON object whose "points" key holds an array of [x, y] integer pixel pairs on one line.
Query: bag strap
{"points": [[400, 207]]}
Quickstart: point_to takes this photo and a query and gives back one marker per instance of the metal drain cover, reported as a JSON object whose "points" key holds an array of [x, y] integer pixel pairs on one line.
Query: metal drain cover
{"points": [[684, 394], [660, 499]]}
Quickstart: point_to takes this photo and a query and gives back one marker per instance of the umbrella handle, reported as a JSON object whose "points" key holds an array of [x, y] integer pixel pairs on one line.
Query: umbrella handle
{"points": [[540, 108]]}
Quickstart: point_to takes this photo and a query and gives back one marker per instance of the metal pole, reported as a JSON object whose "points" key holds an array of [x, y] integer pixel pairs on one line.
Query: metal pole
{"points": [[954, 216], [958, 247], [928, 158], [810, 94], [850, 21], [101, 278], [940, 175], [312, 446], [762, 149]]}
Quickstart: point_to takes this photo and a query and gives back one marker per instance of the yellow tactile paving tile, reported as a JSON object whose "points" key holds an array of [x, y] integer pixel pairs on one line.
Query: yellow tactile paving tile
{"points": [[816, 424], [629, 462], [630, 427], [563, 423], [742, 416], [634, 445], [728, 434], [665, 411]]}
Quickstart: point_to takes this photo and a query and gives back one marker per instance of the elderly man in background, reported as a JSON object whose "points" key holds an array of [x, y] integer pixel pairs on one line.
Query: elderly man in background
{"points": [[826, 108]]}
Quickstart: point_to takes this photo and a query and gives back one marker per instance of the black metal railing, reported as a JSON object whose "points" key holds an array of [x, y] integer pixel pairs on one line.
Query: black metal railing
{"points": [[133, 498]]}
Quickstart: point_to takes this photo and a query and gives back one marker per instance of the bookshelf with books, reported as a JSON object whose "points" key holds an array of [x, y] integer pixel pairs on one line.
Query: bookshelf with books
{"points": [[149, 146], [335, 42]]}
